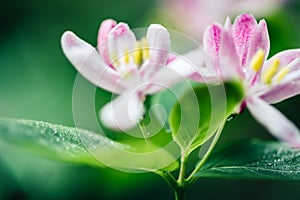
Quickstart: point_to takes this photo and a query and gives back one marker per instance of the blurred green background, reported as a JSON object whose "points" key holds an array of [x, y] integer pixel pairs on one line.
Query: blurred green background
{"points": [[36, 82]]}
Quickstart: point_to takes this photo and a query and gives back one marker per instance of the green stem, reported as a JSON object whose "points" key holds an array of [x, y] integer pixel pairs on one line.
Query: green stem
{"points": [[191, 177], [180, 193], [181, 184], [181, 178]]}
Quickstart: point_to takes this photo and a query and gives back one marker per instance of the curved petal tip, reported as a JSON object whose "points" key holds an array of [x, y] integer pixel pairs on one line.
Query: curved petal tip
{"points": [[68, 39]]}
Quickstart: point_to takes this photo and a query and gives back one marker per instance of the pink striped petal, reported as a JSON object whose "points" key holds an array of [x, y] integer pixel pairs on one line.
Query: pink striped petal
{"points": [[211, 43], [105, 27], [89, 64], [229, 61], [243, 29], [274, 121], [124, 112], [159, 46]]}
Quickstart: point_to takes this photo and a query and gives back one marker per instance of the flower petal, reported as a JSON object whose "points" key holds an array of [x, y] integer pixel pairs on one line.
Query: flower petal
{"points": [[159, 43], [259, 40], [88, 63], [243, 29], [219, 45], [105, 27], [124, 112], [211, 42], [285, 57], [282, 91], [121, 40], [275, 122], [229, 60], [158, 39]]}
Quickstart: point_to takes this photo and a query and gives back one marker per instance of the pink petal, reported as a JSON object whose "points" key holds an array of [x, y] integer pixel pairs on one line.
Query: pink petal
{"points": [[105, 27], [243, 29], [229, 61], [259, 40], [282, 91], [219, 45], [285, 57], [159, 46], [211, 42], [275, 122], [124, 112], [120, 40], [88, 63]]}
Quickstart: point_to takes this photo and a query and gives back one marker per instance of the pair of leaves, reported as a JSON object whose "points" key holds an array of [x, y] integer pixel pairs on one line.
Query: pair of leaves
{"points": [[247, 159]]}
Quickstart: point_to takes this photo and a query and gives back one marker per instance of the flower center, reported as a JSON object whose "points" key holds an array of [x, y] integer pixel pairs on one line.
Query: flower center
{"points": [[129, 59], [140, 52]]}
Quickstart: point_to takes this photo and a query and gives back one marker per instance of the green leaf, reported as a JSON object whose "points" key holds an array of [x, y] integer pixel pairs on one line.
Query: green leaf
{"points": [[201, 111], [81, 146], [255, 159]]}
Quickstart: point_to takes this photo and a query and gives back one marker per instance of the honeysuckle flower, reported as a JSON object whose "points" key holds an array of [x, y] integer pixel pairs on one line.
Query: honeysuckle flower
{"points": [[125, 66], [201, 13], [239, 51]]}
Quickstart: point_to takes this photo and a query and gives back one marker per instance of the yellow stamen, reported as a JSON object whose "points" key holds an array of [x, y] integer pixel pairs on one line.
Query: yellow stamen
{"points": [[145, 49], [271, 71], [282, 73], [126, 57], [258, 60], [137, 54]]}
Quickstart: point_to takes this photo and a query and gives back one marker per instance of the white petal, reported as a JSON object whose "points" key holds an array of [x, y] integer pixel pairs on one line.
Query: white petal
{"points": [[88, 63], [124, 112], [121, 40], [158, 39], [274, 121]]}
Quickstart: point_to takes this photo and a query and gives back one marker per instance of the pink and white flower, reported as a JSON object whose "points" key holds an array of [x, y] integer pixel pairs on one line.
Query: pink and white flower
{"points": [[125, 66], [239, 51]]}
